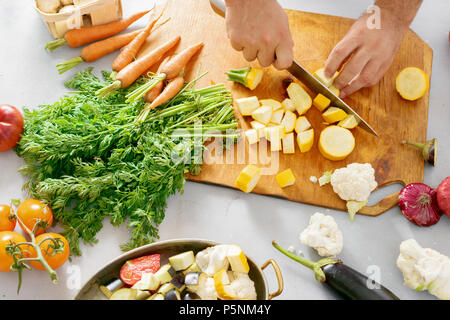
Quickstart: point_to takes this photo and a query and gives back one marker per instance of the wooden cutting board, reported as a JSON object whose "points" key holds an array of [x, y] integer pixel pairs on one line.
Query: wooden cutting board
{"points": [[314, 35]]}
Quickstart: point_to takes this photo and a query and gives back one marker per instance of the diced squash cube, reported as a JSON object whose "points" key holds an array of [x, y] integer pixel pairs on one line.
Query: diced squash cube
{"points": [[247, 105], [320, 74], [288, 143], [182, 261], [254, 77], [275, 144], [271, 102], [349, 122], [305, 140], [238, 260], [277, 116], [288, 105], [263, 114], [275, 132], [302, 124], [321, 102], [248, 178], [252, 136], [288, 121], [300, 98], [333, 114], [336, 143], [285, 178], [259, 127]]}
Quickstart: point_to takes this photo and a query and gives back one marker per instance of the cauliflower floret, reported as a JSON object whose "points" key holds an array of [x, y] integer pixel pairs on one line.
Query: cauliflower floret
{"points": [[242, 286], [206, 289], [323, 235], [48, 6], [424, 268], [213, 259], [354, 182]]}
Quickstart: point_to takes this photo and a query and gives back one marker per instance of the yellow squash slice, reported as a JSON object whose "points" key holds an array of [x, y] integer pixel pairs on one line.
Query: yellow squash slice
{"points": [[305, 140], [285, 178], [300, 98], [336, 143], [333, 114], [237, 259], [412, 83], [349, 122]]}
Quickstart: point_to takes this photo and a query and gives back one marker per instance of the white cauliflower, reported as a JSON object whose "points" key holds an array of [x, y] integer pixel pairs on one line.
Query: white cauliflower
{"points": [[424, 268], [323, 235], [242, 286], [354, 182], [213, 259], [48, 6], [206, 289]]}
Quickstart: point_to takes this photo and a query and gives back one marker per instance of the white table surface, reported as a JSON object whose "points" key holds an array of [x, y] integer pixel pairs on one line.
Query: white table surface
{"points": [[28, 77]]}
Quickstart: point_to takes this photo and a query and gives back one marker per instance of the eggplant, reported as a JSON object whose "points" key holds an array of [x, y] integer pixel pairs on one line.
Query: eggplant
{"points": [[178, 281], [172, 295], [186, 295], [343, 279], [110, 286]]}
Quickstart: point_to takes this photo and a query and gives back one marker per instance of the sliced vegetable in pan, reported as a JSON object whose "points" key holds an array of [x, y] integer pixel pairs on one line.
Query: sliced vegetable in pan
{"points": [[131, 272]]}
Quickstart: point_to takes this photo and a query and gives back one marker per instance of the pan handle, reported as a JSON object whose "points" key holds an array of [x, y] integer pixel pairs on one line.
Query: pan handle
{"points": [[276, 268]]}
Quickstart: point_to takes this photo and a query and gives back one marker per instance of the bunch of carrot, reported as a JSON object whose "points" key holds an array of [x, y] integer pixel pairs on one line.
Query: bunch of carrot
{"points": [[159, 88]]}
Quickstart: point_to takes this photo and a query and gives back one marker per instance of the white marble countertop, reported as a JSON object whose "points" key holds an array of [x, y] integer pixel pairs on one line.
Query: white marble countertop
{"points": [[28, 77]]}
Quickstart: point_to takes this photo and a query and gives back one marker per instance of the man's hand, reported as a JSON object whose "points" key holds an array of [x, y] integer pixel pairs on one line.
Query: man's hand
{"points": [[260, 29], [370, 52]]}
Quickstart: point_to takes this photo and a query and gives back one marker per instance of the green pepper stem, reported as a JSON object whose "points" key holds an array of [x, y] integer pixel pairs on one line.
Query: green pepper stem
{"points": [[69, 64], [415, 144], [55, 44], [315, 266]]}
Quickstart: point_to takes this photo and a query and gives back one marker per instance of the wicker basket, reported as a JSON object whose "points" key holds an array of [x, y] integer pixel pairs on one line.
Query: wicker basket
{"points": [[88, 12]]}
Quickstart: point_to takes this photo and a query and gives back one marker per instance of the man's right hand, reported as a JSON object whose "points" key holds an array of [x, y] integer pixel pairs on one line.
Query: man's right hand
{"points": [[260, 29]]}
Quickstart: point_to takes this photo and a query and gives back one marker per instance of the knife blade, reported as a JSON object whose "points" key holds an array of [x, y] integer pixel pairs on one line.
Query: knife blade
{"points": [[308, 79], [313, 83]]}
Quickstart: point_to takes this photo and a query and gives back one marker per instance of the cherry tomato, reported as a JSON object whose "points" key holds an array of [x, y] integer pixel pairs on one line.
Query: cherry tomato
{"points": [[6, 224], [7, 237], [131, 271], [11, 127], [54, 260], [31, 211]]}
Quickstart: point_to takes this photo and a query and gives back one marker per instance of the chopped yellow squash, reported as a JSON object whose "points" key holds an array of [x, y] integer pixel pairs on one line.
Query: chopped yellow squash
{"points": [[321, 102], [259, 127], [300, 98], [285, 178], [254, 77], [349, 122], [252, 136], [305, 140], [333, 114], [247, 105], [288, 105], [320, 74], [288, 143], [224, 291], [248, 178], [302, 124], [277, 116], [238, 260], [336, 143], [288, 121], [335, 90], [263, 114], [271, 102]]}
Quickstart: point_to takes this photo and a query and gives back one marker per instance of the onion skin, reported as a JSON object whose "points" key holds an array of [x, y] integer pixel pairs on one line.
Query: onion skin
{"points": [[418, 203], [443, 196]]}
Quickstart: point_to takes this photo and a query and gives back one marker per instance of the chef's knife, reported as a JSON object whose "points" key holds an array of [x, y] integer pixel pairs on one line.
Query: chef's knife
{"points": [[308, 79]]}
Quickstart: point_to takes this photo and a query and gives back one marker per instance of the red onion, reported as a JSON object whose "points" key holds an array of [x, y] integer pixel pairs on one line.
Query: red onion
{"points": [[418, 203], [443, 196]]}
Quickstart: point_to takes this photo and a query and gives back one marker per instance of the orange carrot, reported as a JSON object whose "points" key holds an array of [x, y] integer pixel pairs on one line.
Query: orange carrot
{"points": [[171, 89], [99, 49], [128, 54], [173, 68], [131, 72], [79, 37], [153, 93]]}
